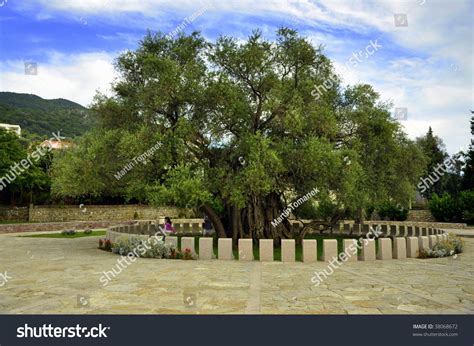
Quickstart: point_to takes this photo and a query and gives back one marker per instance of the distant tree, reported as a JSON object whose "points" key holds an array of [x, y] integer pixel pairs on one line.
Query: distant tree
{"points": [[18, 184], [468, 176], [434, 149]]}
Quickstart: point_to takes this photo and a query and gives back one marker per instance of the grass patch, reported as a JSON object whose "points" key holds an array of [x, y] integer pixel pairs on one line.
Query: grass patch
{"points": [[63, 236]]}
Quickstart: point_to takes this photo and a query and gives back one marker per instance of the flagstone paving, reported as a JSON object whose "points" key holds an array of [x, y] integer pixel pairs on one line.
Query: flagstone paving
{"points": [[48, 276]]}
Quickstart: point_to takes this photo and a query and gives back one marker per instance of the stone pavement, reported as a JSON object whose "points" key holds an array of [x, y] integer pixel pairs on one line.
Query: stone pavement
{"points": [[62, 276]]}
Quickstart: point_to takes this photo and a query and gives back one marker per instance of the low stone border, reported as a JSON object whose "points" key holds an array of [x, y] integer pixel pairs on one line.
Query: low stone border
{"points": [[347, 224], [53, 226], [396, 242]]}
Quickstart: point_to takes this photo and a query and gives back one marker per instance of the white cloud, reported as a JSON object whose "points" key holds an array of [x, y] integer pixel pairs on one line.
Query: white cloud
{"points": [[426, 67], [73, 77]]}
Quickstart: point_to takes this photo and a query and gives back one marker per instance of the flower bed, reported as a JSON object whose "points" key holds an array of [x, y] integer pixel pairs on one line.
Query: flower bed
{"points": [[150, 248], [449, 247]]}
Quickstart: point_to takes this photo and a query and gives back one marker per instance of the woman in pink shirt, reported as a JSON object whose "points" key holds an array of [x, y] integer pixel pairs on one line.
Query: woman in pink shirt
{"points": [[169, 229]]}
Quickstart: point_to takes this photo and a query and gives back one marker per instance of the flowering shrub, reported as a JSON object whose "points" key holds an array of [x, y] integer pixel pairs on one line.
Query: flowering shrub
{"points": [[188, 255], [151, 248], [69, 232], [453, 245], [105, 244]]}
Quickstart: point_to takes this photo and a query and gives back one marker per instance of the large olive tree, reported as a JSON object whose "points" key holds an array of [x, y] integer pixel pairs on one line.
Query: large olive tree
{"points": [[243, 133]]}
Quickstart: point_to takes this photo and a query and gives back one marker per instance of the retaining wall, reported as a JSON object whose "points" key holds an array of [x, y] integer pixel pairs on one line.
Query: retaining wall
{"points": [[103, 212]]}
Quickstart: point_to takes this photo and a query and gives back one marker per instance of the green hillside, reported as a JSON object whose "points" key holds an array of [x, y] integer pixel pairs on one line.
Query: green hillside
{"points": [[43, 117]]}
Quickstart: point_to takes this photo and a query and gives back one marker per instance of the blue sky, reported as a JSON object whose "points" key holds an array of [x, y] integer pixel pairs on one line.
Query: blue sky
{"points": [[425, 66]]}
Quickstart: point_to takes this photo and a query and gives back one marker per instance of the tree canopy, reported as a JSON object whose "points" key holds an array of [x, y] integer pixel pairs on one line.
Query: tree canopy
{"points": [[241, 135]]}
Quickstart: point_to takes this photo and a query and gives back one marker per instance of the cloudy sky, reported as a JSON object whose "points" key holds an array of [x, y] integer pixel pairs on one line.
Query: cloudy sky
{"points": [[423, 61]]}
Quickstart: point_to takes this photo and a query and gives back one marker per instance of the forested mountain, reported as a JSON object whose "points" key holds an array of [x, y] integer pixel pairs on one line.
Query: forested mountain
{"points": [[43, 117]]}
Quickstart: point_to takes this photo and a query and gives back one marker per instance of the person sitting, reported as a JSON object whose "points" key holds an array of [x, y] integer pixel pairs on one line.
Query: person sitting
{"points": [[207, 226], [168, 227]]}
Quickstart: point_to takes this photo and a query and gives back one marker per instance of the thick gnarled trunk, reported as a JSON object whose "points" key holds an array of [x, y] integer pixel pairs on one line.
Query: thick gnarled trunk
{"points": [[219, 227], [253, 221]]}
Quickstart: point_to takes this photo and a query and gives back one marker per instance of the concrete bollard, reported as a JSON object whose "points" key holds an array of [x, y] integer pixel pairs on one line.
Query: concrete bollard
{"points": [[410, 231], [206, 250], [266, 250], [400, 248], [245, 250], [309, 250], [385, 249], [329, 249], [412, 247], [385, 230], [188, 243], [350, 249], [368, 250], [173, 241], [433, 240], [224, 249], [423, 243], [287, 250]]}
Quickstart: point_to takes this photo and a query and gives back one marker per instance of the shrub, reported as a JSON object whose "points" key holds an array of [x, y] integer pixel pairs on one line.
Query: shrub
{"points": [[453, 245], [467, 204], [88, 231], [370, 210], [151, 248], [105, 244], [389, 211], [68, 232], [188, 255], [445, 208]]}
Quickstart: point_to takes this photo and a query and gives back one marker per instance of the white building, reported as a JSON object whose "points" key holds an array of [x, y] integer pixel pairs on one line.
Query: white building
{"points": [[13, 128]]}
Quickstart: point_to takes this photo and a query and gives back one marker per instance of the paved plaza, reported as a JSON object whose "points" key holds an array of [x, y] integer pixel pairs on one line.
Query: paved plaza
{"points": [[48, 276]]}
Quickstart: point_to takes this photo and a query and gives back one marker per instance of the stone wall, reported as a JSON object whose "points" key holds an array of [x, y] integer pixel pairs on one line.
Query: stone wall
{"points": [[420, 215], [13, 213], [103, 213]]}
